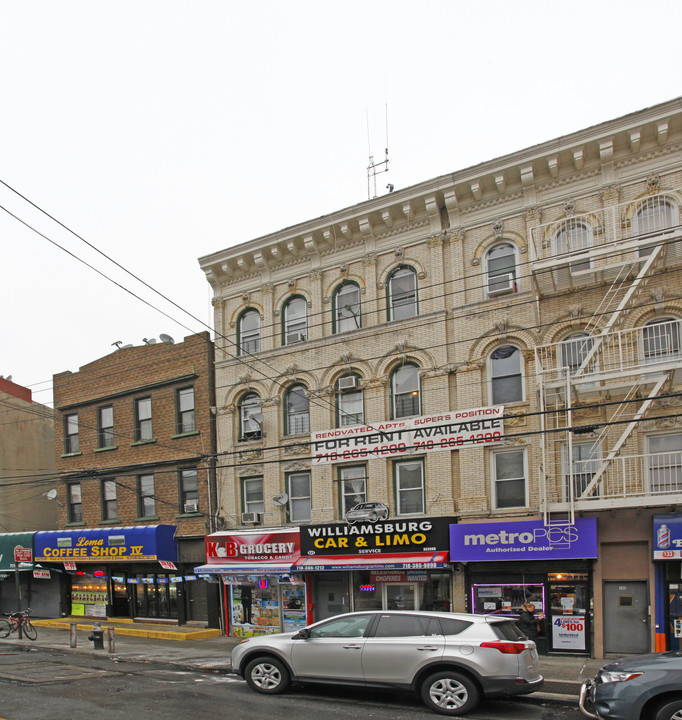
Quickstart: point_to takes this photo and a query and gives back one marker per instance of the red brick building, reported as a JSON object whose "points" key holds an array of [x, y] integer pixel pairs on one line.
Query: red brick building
{"points": [[135, 434]]}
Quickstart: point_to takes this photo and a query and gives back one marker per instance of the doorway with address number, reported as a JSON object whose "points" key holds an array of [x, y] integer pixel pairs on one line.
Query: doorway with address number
{"points": [[626, 617]]}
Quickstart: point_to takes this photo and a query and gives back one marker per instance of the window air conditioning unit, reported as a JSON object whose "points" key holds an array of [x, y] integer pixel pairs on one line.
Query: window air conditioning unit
{"points": [[348, 383], [251, 518], [295, 337], [191, 507], [501, 284]]}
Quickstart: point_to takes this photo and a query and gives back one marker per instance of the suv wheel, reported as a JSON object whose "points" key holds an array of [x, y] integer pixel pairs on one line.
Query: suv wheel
{"points": [[267, 675], [450, 693], [671, 710]]}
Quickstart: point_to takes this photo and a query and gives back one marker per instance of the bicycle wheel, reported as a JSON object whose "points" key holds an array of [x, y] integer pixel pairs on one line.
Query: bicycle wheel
{"points": [[5, 628], [30, 630]]}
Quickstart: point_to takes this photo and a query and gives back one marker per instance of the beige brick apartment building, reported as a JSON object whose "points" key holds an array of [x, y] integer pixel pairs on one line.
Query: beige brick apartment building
{"points": [[134, 435], [490, 360]]}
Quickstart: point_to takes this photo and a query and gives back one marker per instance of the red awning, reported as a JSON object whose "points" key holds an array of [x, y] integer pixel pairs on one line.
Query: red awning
{"points": [[385, 561]]}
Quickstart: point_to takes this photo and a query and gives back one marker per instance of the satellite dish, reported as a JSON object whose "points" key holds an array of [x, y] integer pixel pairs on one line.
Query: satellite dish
{"points": [[257, 418], [149, 341], [280, 499], [166, 338], [51, 494]]}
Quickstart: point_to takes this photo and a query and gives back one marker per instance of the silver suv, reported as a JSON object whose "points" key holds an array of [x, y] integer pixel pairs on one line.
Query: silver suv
{"points": [[451, 660]]}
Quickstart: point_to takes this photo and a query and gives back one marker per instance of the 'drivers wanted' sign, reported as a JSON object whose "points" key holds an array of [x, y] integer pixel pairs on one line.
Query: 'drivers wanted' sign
{"points": [[453, 430]]}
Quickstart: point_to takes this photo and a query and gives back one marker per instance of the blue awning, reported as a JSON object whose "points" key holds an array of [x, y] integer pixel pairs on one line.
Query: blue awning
{"points": [[107, 545]]}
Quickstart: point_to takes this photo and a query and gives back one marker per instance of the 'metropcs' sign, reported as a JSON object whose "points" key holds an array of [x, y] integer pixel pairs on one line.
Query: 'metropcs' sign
{"points": [[443, 431], [526, 540]]}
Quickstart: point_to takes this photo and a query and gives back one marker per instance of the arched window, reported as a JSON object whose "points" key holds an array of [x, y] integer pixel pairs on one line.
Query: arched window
{"points": [[653, 215], [250, 417], [349, 401], [297, 418], [402, 294], [501, 267], [295, 320], [405, 392], [661, 338], [572, 237], [347, 308], [574, 351], [506, 375], [249, 332]]}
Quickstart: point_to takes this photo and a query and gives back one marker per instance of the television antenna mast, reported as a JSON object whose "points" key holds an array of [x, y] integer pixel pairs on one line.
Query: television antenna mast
{"points": [[379, 167]]}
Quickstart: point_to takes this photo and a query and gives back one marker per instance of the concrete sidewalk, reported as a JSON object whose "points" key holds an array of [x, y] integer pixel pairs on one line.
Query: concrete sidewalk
{"points": [[563, 675]]}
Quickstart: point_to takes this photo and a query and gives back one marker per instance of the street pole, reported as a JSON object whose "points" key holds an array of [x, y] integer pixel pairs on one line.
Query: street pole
{"points": [[18, 585]]}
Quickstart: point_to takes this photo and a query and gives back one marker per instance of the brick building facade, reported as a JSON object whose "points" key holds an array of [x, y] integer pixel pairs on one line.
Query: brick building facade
{"points": [[545, 284], [134, 438]]}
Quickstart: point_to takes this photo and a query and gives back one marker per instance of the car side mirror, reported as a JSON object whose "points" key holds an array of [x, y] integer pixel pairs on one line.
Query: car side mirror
{"points": [[302, 634]]}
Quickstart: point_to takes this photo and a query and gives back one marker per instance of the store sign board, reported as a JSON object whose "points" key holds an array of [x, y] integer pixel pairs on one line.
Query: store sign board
{"points": [[667, 537], [280, 547], [41, 574], [525, 540], [130, 544], [375, 539], [23, 555], [568, 633], [450, 430]]}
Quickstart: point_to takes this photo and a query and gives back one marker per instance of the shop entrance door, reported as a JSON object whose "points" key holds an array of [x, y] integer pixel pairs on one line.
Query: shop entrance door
{"points": [[626, 618], [401, 596], [155, 597]]}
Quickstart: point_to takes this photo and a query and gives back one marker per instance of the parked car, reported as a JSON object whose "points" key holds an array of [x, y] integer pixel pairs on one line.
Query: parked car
{"points": [[451, 660], [371, 511], [642, 687]]}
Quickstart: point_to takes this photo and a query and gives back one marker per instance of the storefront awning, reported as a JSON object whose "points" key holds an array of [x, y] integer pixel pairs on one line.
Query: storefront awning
{"points": [[107, 545], [8, 541], [243, 569], [385, 561]]}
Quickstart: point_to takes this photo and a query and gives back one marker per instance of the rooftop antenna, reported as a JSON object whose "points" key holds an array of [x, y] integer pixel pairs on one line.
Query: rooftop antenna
{"points": [[376, 168]]}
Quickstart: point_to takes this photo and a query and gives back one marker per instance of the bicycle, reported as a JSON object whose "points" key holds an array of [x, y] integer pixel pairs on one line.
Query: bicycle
{"points": [[18, 619]]}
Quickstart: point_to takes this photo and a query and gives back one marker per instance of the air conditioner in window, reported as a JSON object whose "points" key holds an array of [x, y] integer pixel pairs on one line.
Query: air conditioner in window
{"points": [[191, 507], [252, 435], [295, 337], [501, 284], [251, 518], [348, 383]]}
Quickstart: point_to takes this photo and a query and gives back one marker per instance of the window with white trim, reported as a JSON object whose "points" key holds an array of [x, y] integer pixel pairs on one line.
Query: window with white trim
{"points": [[409, 487], [249, 408], [249, 332], [402, 294], [352, 486], [664, 463], [586, 461], [253, 495], [295, 320], [405, 392], [146, 499], [573, 236], [300, 499], [509, 479], [506, 375], [350, 401], [297, 410], [501, 269], [347, 308]]}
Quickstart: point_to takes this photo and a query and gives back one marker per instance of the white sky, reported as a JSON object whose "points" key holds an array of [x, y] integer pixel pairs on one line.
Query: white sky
{"points": [[161, 131]]}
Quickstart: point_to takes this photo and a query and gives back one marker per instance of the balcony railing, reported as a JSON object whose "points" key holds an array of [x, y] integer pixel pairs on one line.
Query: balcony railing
{"points": [[653, 348], [654, 475], [604, 245]]}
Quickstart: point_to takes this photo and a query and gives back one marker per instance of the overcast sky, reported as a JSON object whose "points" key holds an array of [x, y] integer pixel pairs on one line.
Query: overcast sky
{"points": [[161, 131]]}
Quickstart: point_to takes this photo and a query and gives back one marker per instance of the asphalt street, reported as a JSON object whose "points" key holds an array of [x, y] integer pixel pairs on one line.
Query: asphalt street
{"points": [[47, 684]]}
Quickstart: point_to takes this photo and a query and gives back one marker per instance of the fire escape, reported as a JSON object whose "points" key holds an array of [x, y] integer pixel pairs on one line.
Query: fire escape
{"points": [[596, 385]]}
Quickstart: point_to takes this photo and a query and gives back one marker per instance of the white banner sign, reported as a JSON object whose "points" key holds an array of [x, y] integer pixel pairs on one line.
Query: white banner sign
{"points": [[454, 430], [568, 633]]}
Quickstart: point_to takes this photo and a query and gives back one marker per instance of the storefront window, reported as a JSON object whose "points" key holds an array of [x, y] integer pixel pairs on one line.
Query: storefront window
{"points": [[501, 599], [89, 595], [261, 604], [401, 590]]}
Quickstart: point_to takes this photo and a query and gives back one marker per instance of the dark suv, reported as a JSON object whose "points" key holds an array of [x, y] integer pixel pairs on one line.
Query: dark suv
{"points": [[643, 687], [451, 660]]}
